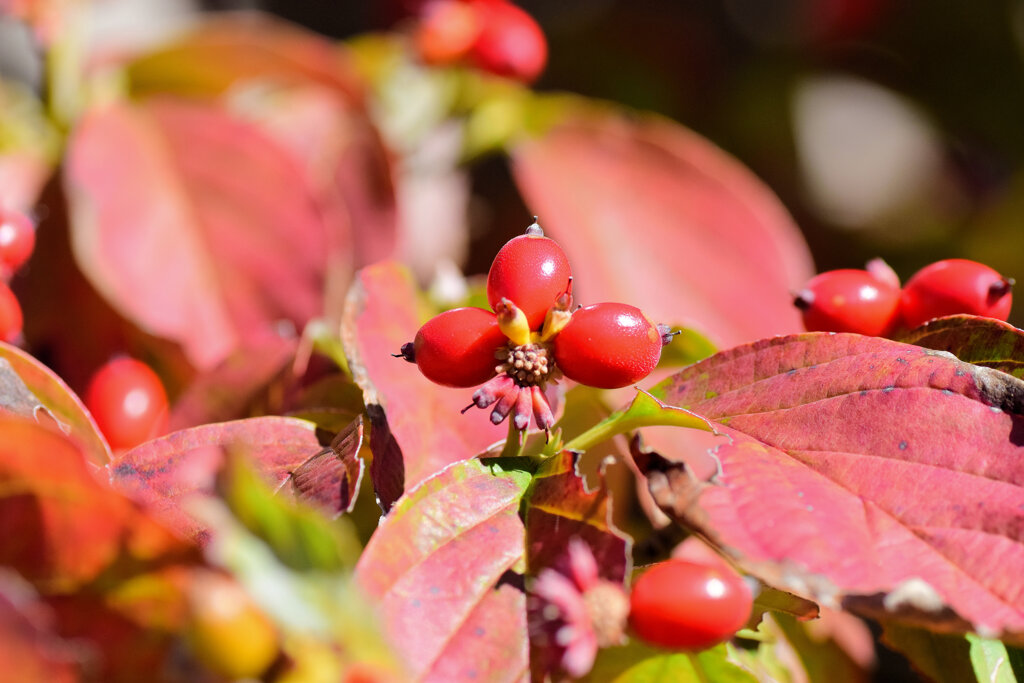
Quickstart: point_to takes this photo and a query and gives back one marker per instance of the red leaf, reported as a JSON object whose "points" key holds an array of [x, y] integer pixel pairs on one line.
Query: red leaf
{"points": [[973, 339], [195, 225], [50, 392], [165, 473], [60, 526], [434, 567], [381, 314], [863, 470], [653, 215]]}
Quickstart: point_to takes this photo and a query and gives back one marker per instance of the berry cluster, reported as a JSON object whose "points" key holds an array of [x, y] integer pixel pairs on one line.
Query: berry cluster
{"points": [[871, 301], [533, 337], [17, 241], [494, 35]]}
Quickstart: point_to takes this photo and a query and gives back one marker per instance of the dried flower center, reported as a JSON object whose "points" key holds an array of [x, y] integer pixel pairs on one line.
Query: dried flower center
{"points": [[608, 608], [526, 364]]}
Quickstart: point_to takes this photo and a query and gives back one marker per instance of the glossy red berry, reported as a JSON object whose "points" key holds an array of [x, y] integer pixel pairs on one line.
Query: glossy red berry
{"points": [[457, 347], [532, 272], [849, 301], [17, 240], [11, 319], [608, 345], [447, 31], [510, 43], [952, 287], [682, 605], [128, 402]]}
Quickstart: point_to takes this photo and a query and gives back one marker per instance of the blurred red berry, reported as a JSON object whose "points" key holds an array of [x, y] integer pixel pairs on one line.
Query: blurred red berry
{"points": [[128, 402], [952, 287], [11, 319], [510, 43], [681, 605], [849, 300], [447, 31], [608, 345], [17, 240]]}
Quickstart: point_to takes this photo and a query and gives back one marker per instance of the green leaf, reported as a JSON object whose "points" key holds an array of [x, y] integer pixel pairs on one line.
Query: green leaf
{"points": [[640, 663], [686, 348], [994, 662], [942, 658]]}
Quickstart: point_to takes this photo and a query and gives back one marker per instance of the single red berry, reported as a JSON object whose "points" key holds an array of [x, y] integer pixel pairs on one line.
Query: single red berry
{"points": [[457, 347], [11, 319], [607, 346], [952, 287], [682, 605], [510, 43], [128, 402], [447, 30], [849, 301], [531, 271], [17, 240]]}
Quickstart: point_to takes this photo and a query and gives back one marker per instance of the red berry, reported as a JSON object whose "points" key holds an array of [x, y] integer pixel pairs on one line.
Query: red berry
{"points": [[11, 319], [531, 271], [447, 31], [17, 240], [128, 402], [456, 348], [849, 301], [952, 287], [681, 605], [607, 346], [511, 43]]}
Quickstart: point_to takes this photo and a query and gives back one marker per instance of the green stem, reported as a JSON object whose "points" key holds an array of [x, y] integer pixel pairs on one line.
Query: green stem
{"points": [[644, 411]]}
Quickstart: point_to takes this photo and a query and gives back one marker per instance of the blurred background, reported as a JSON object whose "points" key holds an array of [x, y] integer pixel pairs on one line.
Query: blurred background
{"points": [[887, 128]]}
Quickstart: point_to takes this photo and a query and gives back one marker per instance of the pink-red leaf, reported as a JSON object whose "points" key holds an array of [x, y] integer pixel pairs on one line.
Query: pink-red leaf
{"points": [[29, 648], [653, 215], [381, 314], [52, 395], [977, 340], [60, 527], [196, 225], [864, 471], [434, 568], [166, 473]]}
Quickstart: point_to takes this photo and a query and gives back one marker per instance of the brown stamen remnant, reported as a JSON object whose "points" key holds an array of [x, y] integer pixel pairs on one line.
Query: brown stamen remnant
{"points": [[1000, 288], [527, 364], [408, 352]]}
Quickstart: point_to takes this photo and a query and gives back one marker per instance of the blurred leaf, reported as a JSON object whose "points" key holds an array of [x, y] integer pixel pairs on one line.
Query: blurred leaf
{"points": [[301, 538], [50, 394], [823, 659], [60, 526], [981, 341], [637, 662], [774, 600], [227, 49], [942, 658], [29, 147], [29, 646], [653, 215], [229, 390], [846, 432], [197, 226], [435, 568], [166, 474], [382, 313]]}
